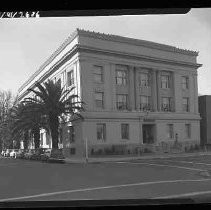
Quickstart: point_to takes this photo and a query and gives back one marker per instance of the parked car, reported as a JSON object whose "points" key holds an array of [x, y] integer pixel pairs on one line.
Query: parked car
{"points": [[13, 153], [29, 154], [37, 154], [46, 155], [3, 152], [7, 153], [56, 156]]}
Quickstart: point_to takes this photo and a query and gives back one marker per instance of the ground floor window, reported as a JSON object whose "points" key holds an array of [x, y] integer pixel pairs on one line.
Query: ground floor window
{"points": [[187, 131], [125, 131], [72, 151], [101, 131], [148, 134], [170, 131], [71, 134]]}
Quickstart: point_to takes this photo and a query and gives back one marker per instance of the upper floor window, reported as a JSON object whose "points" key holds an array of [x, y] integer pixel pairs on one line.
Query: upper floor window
{"points": [[165, 81], [121, 101], [170, 131], [185, 104], [125, 131], [99, 99], [185, 83], [98, 74], [101, 131], [143, 79], [70, 78], [145, 103], [121, 77], [166, 104]]}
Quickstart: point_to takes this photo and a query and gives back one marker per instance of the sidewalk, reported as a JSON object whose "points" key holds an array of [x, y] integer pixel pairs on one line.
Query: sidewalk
{"points": [[143, 157]]}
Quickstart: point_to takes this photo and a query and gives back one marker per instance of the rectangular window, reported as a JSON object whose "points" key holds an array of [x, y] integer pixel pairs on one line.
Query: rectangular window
{"points": [[59, 82], [125, 131], [170, 131], [185, 83], [72, 151], [70, 78], [185, 104], [165, 81], [143, 80], [71, 134], [166, 104], [121, 77], [101, 131], [99, 99], [98, 74], [187, 131], [121, 102], [145, 103]]}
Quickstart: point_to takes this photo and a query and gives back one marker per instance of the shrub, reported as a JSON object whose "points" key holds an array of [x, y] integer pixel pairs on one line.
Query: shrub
{"points": [[57, 154], [100, 151], [146, 150], [196, 147], [113, 149], [191, 148]]}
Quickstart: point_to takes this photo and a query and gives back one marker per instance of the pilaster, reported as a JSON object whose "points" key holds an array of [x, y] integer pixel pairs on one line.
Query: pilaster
{"points": [[113, 85], [154, 91], [195, 80], [158, 90], [131, 88]]}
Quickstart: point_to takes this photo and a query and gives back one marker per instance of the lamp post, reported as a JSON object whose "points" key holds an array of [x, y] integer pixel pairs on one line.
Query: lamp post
{"points": [[86, 149]]}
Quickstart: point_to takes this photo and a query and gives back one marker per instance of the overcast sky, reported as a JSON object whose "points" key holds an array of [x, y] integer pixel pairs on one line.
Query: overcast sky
{"points": [[26, 43]]}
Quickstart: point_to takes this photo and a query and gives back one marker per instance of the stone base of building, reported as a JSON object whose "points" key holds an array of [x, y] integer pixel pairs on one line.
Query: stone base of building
{"points": [[133, 149]]}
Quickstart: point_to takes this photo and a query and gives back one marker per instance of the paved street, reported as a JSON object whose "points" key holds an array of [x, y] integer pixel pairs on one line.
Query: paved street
{"points": [[22, 180]]}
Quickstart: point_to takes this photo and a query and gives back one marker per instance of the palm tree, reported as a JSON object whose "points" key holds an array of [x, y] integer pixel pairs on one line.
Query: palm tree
{"points": [[25, 119], [54, 103]]}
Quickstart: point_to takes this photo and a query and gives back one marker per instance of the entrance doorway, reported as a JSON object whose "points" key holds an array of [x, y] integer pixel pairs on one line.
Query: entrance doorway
{"points": [[148, 134]]}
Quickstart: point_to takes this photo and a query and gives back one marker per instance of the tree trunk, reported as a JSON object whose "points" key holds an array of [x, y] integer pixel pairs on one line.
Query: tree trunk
{"points": [[26, 140], [36, 134], [54, 125], [17, 146]]}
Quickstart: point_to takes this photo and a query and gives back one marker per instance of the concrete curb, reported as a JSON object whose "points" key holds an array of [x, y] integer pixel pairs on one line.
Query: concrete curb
{"points": [[114, 159]]}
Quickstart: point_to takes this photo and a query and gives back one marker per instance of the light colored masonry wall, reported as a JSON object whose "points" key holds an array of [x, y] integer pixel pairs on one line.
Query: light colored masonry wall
{"points": [[88, 60], [109, 53], [113, 134], [179, 128]]}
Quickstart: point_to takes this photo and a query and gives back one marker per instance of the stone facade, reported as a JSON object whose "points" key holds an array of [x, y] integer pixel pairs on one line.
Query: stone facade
{"points": [[137, 93]]}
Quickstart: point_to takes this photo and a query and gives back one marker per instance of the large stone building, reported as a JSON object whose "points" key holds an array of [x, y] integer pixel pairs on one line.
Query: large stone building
{"points": [[205, 123], [136, 92]]}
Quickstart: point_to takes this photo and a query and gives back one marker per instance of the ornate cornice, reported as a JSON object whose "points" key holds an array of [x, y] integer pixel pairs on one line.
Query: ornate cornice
{"points": [[51, 58], [109, 37], [136, 56], [52, 68], [138, 42]]}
